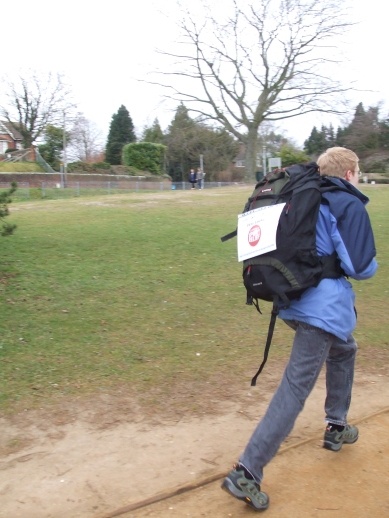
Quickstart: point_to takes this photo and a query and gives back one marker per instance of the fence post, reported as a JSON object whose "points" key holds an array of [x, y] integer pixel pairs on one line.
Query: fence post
{"points": [[109, 187], [28, 189], [43, 189], [183, 186], [219, 184], [137, 187], [161, 186], [78, 188]]}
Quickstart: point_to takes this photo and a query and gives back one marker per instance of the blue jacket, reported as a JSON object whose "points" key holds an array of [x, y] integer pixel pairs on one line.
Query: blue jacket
{"points": [[343, 225]]}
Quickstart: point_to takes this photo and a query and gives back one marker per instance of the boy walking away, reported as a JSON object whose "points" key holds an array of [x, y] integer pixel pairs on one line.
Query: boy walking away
{"points": [[192, 178], [324, 319]]}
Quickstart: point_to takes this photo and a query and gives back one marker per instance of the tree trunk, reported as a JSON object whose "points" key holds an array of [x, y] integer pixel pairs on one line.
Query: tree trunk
{"points": [[251, 155], [27, 140]]}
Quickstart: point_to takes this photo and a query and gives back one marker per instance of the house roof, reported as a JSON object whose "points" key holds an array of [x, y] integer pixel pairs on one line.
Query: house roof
{"points": [[9, 127]]}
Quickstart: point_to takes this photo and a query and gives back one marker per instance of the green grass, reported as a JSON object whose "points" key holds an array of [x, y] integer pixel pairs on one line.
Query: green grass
{"points": [[129, 289], [23, 194], [20, 167]]}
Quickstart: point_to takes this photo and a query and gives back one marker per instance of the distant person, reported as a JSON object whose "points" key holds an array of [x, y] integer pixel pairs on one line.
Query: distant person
{"points": [[323, 319], [192, 178], [200, 178]]}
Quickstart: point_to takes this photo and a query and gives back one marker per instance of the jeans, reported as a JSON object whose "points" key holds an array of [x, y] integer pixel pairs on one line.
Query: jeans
{"points": [[311, 348]]}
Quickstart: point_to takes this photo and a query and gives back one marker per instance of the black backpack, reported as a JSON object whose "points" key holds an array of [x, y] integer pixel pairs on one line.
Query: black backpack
{"points": [[285, 273]]}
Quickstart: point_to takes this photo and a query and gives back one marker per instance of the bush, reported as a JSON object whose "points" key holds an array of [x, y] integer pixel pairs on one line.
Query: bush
{"points": [[145, 156], [290, 156], [10, 150], [102, 165], [80, 166]]}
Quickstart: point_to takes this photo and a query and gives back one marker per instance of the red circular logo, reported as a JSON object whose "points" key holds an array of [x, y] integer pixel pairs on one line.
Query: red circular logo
{"points": [[254, 235]]}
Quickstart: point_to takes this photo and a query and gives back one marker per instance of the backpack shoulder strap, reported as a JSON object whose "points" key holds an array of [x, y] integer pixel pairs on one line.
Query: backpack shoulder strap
{"points": [[273, 319], [229, 236]]}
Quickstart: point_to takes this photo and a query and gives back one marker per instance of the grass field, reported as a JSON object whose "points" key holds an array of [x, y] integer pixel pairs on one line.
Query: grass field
{"points": [[137, 290], [52, 193]]}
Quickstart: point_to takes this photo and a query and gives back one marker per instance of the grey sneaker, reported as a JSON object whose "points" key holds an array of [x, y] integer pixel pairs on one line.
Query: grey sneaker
{"points": [[333, 439], [239, 485]]}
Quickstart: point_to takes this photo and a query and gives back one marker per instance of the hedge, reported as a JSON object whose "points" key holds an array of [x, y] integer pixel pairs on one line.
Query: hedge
{"points": [[145, 156]]}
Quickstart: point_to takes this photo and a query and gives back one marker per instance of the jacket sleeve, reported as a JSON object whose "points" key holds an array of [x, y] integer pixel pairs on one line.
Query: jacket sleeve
{"points": [[353, 238]]}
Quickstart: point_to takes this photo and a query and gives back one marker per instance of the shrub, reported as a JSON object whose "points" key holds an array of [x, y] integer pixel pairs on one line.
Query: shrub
{"points": [[10, 150], [145, 156], [290, 156], [80, 166], [102, 165]]}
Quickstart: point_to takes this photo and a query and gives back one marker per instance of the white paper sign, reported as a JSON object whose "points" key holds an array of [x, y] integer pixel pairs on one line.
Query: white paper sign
{"points": [[257, 231]]}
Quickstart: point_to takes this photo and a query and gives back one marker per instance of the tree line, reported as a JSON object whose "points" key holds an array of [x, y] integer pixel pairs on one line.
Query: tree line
{"points": [[185, 139], [367, 134]]}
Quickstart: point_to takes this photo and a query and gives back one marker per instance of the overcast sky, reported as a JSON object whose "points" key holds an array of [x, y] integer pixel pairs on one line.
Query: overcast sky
{"points": [[104, 47]]}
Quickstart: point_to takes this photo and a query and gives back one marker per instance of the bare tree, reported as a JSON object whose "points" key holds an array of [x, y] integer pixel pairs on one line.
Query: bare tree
{"points": [[86, 140], [32, 101], [266, 61]]}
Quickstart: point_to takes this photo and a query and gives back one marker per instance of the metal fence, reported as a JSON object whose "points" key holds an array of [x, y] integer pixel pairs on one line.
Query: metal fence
{"points": [[53, 190], [43, 162]]}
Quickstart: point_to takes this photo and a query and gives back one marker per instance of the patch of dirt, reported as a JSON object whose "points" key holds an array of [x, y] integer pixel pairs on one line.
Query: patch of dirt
{"points": [[302, 483], [132, 199], [5, 276], [86, 457]]}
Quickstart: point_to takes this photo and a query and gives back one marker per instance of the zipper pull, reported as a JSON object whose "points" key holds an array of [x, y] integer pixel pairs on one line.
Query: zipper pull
{"points": [[287, 209]]}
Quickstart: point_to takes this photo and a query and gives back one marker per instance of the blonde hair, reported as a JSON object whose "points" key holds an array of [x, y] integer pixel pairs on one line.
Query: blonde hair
{"points": [[336, 161]]}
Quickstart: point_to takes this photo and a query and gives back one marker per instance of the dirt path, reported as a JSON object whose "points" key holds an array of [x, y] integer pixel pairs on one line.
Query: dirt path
{"points": [[76, 469], [305, 482]]}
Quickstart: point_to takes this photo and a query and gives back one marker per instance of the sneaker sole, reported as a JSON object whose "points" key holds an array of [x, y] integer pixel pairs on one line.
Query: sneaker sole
{"points": [[230, 488], [336, 447]]}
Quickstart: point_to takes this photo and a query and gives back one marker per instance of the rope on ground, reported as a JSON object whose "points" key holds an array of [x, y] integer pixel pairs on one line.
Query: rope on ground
{"points": [[213, 478]]}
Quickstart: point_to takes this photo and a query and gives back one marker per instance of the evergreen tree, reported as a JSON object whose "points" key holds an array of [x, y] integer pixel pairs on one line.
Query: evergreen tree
{"points": [[52, 149], [384, 134], [6, 229], [317, 141], [367, 135], [363, 134], [153, 133], [121, 132], [341, 135], [331, 139], [178, 140]]}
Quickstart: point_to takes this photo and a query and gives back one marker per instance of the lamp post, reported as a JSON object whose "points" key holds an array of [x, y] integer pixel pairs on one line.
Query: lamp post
{"points": [[202, 170]]}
